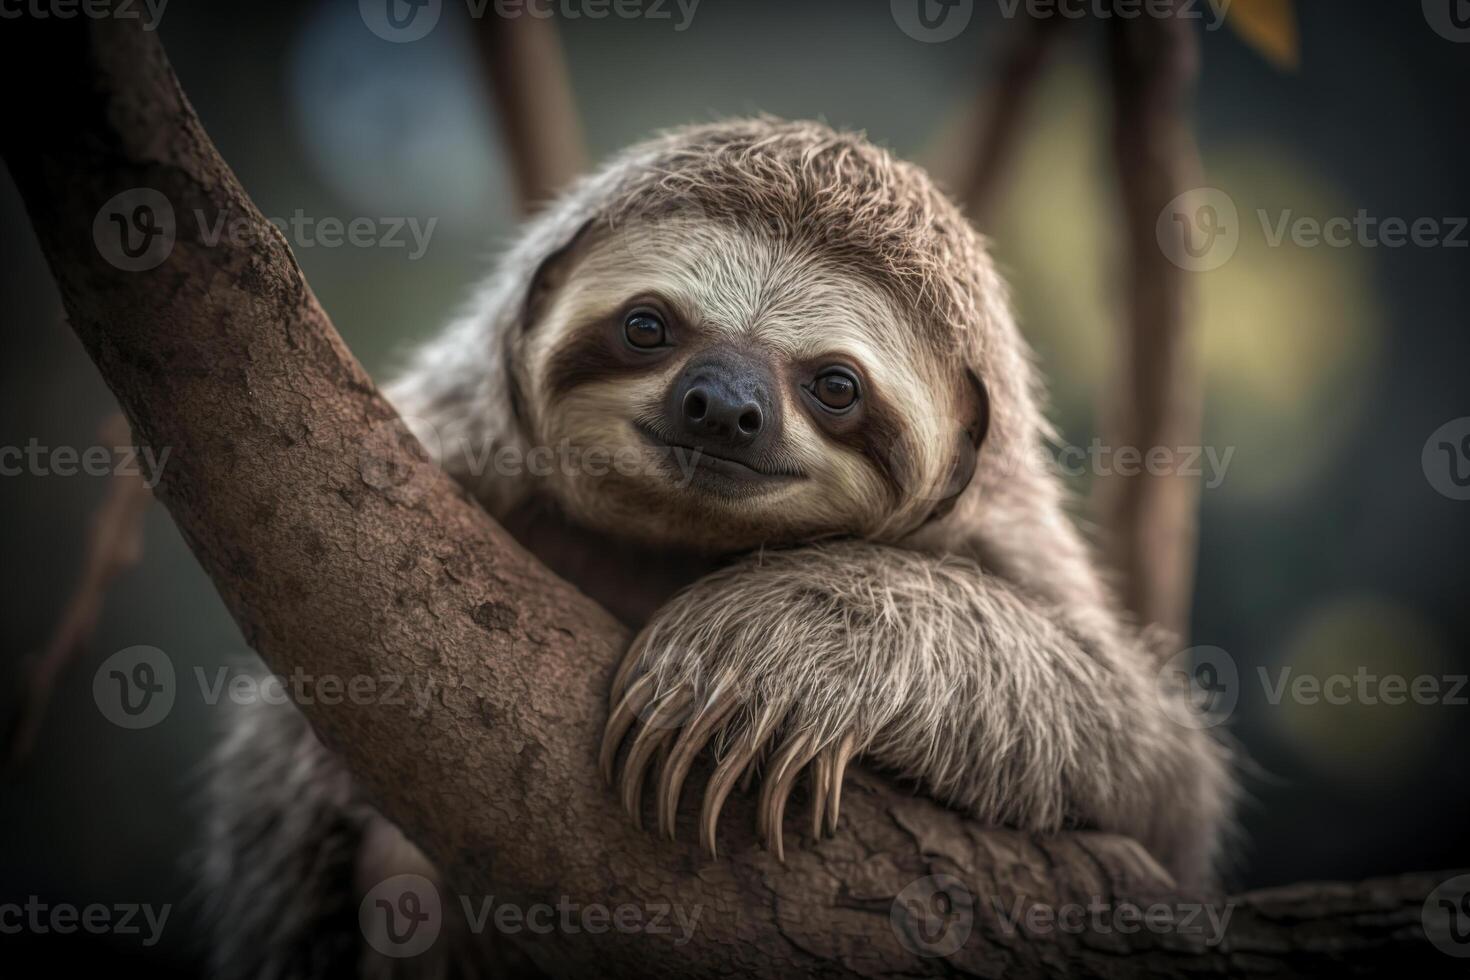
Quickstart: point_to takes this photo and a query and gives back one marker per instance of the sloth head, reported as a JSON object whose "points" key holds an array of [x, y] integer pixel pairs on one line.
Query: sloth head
{"points": [[749, 333]]}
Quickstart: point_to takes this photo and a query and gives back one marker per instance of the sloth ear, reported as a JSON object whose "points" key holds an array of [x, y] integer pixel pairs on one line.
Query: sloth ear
{"points": [[976, 416], [552, 274]]}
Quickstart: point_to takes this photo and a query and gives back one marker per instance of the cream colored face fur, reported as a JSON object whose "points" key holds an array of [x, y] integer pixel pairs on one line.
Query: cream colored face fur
{"points": [[728, 288]]}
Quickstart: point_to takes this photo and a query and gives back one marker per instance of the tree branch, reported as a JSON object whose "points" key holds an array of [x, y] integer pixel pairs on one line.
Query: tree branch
{"points": [[997, 126], [1150, 518], [339, 549], [527, 74], [114, 543]]}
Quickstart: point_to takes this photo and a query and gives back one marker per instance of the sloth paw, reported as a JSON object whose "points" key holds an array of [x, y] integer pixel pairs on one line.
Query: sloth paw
{"points": [[668, 727]]}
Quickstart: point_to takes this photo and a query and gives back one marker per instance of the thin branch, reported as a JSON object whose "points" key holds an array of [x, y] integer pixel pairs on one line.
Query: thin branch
{"points": [[526, 69], [1150, 517], [1002, 109], [114, 543]]}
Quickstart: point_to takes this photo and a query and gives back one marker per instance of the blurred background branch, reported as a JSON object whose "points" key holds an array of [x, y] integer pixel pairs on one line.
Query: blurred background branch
{"points": [[974, 167], [113, 544], [523, 61], [1153, 402]]}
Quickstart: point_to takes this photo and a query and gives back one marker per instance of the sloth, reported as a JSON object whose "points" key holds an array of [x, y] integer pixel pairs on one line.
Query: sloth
{"points": [[803, 430]]}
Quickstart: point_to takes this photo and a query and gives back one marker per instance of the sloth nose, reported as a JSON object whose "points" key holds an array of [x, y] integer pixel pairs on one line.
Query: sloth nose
{"points": [[723, 399], [715, 412]]}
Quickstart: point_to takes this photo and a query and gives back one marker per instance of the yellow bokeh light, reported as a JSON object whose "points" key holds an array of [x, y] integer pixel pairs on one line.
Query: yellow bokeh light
{"points": [[1287, 334], [1361, 689]]}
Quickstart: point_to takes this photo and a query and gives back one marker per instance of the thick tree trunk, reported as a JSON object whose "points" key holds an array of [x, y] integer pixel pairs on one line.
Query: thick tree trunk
{"points": [[340, 550]]}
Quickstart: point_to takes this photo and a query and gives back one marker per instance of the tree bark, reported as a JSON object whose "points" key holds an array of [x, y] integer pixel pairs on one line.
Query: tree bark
{"points": [[341, 551]]}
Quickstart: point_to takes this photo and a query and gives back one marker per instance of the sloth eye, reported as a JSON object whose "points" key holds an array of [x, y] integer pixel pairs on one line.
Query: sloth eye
{"points": [[836, 389], [644, 330]]}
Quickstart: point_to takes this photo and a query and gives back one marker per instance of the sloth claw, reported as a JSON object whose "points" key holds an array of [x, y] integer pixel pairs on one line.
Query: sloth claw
{"points": [[841, 756], [624, 674], [718, 788], [655, 734], [821, 775], [620, 721], [667, 748], [692, 740], [776, 790]]}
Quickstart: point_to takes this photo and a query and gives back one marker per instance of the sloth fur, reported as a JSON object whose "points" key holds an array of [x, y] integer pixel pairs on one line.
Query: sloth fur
{"points": [[915, 596]]}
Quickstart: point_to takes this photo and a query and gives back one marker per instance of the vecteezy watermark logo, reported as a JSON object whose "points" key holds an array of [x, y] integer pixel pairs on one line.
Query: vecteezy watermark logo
{"points": [[305, 231], [409, 20], [1199, 230], [137, 229], [588, 9], [135, 688], [404, 914], [400, 21], [571, 918], [1446, 459], [1209, 463], [1363, 686], [149, 11], [134, 230], [1212, 12], [1450, 19], [401, 916], [933, 916], [301, 688], [1198, 687], [479, 460], [1446, 916], [62, 918], [932, 21], [1197, 922], [1363, 230], [34, 459]]}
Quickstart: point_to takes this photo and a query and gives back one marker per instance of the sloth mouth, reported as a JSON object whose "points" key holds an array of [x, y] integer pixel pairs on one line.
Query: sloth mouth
{"points": [[714, 471]]}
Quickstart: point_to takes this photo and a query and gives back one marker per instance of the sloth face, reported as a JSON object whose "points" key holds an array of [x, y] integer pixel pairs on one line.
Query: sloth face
{"points": [[720, 390]]}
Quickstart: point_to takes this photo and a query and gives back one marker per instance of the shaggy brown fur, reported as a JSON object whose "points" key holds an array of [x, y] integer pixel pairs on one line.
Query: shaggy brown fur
{"points": [[914, 595]]}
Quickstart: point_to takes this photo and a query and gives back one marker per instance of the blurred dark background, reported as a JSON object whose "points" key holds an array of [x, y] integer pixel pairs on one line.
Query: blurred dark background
{"points": [[1325, 548]]}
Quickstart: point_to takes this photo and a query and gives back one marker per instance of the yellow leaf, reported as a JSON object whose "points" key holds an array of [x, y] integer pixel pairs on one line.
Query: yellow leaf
{"points": [[1269, 26]]}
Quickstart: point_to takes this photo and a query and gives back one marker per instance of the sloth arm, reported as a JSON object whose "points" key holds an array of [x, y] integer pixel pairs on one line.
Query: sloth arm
{"points": [[1010, 707]]}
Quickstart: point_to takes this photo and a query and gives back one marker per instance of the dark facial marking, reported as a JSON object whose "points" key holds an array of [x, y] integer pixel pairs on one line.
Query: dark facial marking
{"points": [[517, 397], [551, 275], [868, 424], [601, 349], [975, 408]]}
